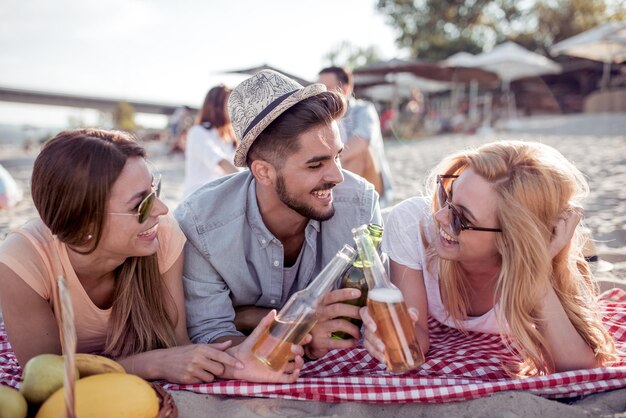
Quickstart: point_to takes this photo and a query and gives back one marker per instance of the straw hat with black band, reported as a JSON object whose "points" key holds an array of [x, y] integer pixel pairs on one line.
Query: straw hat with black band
{"points": [[258, 101]]}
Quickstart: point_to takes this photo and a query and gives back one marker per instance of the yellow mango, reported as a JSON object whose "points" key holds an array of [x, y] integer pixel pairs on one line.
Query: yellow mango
{"points": [[106, 395], [90, 364]]}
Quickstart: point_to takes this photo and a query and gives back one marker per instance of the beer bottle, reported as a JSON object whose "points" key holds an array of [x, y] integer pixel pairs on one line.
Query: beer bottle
{"points": [[355, 278], [387, 307], [298, 316]]}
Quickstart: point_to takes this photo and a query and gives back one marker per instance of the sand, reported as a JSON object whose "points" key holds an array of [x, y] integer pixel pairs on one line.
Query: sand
{"points": [[595, 143]]}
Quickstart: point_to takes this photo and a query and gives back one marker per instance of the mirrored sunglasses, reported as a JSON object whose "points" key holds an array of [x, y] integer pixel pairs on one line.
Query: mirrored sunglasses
{"points": [[145, 207]]}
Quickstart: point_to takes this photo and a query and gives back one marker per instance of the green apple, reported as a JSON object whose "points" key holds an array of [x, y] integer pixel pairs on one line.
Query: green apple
{"points": [[12, 403], [43, 375]]}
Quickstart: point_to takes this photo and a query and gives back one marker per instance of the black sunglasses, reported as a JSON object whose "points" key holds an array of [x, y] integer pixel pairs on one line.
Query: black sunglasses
{"points": [[459, 222], [145, 207]]}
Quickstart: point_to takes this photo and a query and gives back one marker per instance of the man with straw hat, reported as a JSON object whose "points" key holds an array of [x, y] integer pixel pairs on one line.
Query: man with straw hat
{"points": [[258, 236]]}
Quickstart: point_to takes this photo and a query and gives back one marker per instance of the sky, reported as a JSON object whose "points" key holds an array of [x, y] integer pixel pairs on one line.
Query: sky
{"points": [[168, 51]]}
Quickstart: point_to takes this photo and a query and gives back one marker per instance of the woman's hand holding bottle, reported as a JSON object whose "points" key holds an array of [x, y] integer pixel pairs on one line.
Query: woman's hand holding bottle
{"points": [[371, 341]]}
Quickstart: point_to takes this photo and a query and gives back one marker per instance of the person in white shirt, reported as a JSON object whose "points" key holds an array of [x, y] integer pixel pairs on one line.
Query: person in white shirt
{"points": [[211, 142], [497, 250]]}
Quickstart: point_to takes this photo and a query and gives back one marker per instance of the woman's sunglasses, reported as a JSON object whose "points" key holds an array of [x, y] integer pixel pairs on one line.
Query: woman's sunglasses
{"points": [[459, 222], [145, 207]]}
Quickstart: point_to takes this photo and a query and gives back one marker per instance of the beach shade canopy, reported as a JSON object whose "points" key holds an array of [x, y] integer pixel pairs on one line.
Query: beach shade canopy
{"points": [[401, 85], [460, 59], [508, 60], [254, 70], [430, 71], [605, 43]]}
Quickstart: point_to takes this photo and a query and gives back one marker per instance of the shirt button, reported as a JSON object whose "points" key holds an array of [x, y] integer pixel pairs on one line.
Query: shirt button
{"points": [[263, 241], [273, 301], [276, 263]]}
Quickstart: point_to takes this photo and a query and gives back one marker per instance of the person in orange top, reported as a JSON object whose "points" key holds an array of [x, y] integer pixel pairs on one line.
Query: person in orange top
{"points": [[104, 228]]}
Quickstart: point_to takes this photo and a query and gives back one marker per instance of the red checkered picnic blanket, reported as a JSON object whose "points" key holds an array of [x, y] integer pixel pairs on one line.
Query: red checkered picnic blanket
{"points": [[458, 367]]}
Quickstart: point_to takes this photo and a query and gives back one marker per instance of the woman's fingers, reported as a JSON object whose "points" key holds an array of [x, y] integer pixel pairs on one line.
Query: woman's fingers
{"points": [[367, 319], [374, 350], [217, 355], [564, 228], [202, 376], [221, 346], [414, 314]]}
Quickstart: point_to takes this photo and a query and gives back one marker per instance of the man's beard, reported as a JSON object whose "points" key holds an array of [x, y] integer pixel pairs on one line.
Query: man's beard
{"points": [[301, 208]]}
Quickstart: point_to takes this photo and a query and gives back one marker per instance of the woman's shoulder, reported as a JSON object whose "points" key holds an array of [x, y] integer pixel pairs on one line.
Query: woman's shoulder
{"points": [[171, 241], [34, 231], [411, 218], [412, 209]]}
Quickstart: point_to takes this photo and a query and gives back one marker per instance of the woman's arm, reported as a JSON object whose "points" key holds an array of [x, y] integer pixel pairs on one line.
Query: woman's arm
{"points": [[227, 166], [197, 363], [185, 363], [30, 322], [566, 348]]}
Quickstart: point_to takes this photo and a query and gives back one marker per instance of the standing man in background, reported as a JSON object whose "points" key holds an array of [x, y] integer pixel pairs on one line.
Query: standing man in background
{"points": [[364, 153]]}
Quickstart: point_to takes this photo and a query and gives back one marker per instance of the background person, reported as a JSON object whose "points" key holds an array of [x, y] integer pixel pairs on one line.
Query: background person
{"points": [[104, 228], [178, 125], [211, 142], [493, 252], [10, 192], [364, 152], [288, 215]]}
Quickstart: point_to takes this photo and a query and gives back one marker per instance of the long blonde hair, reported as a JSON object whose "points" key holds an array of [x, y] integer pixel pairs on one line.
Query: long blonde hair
{"points": [[534, 183]]}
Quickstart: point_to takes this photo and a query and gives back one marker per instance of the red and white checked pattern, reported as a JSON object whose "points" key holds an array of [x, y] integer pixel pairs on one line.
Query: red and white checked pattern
{"points": [[458, 367]]}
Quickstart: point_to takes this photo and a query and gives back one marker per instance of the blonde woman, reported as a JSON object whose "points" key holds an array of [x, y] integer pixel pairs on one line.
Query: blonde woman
{"points": [[104, 227], [497, 250]]}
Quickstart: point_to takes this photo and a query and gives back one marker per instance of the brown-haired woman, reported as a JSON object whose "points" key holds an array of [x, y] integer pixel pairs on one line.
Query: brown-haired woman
{"points": [[211, 142], [103, 226]]}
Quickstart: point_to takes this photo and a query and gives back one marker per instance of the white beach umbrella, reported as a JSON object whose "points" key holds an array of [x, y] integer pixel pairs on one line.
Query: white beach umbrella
{"points": [[460, 59], [605, 43], [512, 62], [409, 81], [401, 85]]}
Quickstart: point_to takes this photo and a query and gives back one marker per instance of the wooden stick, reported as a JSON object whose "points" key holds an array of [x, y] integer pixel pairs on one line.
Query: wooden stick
{"points": [[67, 333]]}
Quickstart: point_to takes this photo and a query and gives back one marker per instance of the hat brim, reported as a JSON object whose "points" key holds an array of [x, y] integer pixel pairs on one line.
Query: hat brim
{"points": [[242, 150]]}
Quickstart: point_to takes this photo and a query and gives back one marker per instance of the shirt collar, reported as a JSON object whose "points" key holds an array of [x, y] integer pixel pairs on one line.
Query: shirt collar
{"points": [[253, 214]]}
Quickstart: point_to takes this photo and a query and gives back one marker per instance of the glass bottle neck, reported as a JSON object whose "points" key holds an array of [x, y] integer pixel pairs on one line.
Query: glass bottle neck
{"points": [[373, 269], [375, 232], [327, 278]]}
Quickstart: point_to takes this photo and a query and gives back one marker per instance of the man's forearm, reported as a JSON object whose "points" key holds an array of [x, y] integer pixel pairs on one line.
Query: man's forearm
{"points": [[248, 317], [236, 339]]}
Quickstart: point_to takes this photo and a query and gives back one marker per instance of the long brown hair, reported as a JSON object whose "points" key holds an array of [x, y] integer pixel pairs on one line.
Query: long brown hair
{"points": [[534, 184], [71, 182], [214, 114]]}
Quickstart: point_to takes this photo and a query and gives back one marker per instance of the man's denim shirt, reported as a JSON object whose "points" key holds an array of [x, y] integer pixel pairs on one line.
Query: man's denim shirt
{"points": [[232, 259]]}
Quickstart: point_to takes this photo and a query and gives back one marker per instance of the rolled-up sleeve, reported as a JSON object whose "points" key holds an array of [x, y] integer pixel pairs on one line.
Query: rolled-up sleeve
{"points": [[210, 313]]}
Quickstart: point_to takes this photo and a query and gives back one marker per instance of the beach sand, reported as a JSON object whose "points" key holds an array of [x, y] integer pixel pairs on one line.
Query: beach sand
{"points": [[594, 147]]}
